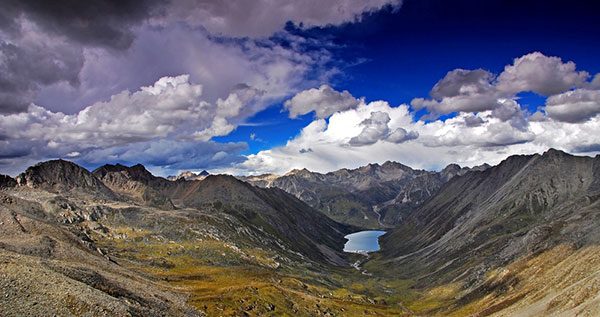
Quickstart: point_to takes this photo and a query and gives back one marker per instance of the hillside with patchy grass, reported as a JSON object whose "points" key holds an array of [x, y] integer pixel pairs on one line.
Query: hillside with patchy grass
{"points": [[519, 238]]}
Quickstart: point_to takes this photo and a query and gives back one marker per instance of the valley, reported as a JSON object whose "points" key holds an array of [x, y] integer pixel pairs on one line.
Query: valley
{"points": [[518, 238]]}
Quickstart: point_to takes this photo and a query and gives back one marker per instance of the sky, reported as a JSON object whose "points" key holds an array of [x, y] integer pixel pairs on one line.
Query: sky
{"points": [[260, 86]]}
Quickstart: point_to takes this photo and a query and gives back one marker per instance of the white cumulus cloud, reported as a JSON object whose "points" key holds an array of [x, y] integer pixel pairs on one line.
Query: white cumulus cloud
{"points": [[170, 109], [545, 75], [324, 101]]}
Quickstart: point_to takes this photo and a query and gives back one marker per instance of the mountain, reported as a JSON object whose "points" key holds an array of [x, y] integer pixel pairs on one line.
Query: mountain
{"points": [[291, 220], [190, 176], [281, 214], [454, 169], [136, 183], [263, 180], [51, 263], [480, 229], [65, 177], [518, 239], [96, 244], [370, 196]]}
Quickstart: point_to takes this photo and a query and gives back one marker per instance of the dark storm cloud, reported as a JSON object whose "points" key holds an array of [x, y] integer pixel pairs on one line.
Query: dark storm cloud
{"points": [[24, 68], [9, 150], [42, 42], [96, 22]]}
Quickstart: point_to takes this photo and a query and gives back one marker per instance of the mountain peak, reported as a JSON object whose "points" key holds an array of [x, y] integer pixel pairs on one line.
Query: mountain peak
{"points": [[296, 171], [189, 176], [137, 171], [60, 175], [552, 152]]}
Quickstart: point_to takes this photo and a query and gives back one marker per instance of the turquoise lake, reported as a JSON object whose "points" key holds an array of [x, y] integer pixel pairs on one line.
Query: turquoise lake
{"points": [[363, 241]]}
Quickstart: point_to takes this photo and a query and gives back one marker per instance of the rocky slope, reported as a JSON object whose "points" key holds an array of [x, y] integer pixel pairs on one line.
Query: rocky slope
{"points": [[50, 265], [520, 238], [370, 196], [302, 228], [487, 222], [227, 248]]}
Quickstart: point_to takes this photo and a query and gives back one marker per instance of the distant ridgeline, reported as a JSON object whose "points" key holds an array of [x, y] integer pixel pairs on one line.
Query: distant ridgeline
{"points": [[372, 196]]}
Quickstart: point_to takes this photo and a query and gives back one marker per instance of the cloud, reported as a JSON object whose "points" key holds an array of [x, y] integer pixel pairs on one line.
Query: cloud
{"points": [[595, 84], [374, 129], [325, 101], [377, 132], [238, 18], [400, 135], [574, 106], [143, 123], [94, 22], [42, 43], [65, 55], [595, 147], [461, 91], [460, 82], [29, 61], [468, 91], [226, 69], [167, 157], [172, 106], [545, 75], [473, 121]]}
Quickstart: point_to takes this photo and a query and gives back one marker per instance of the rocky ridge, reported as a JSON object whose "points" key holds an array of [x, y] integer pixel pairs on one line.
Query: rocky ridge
{"points": [[370, 196], [62, 176]]}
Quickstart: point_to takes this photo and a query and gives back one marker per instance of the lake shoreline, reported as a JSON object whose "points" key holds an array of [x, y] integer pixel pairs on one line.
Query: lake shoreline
{"points": [[363, 242]]}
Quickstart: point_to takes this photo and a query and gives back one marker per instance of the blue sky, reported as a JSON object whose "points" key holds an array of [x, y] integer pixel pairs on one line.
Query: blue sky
{"points": [[399, 54], [248, 88]]}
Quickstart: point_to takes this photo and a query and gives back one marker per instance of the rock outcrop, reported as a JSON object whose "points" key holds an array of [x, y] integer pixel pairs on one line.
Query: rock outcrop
{"points": [[7, 181]]}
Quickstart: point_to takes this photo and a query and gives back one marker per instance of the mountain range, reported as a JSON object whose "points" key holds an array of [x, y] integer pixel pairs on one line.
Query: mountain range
{"points": [[372, 196], [518, 238]]}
